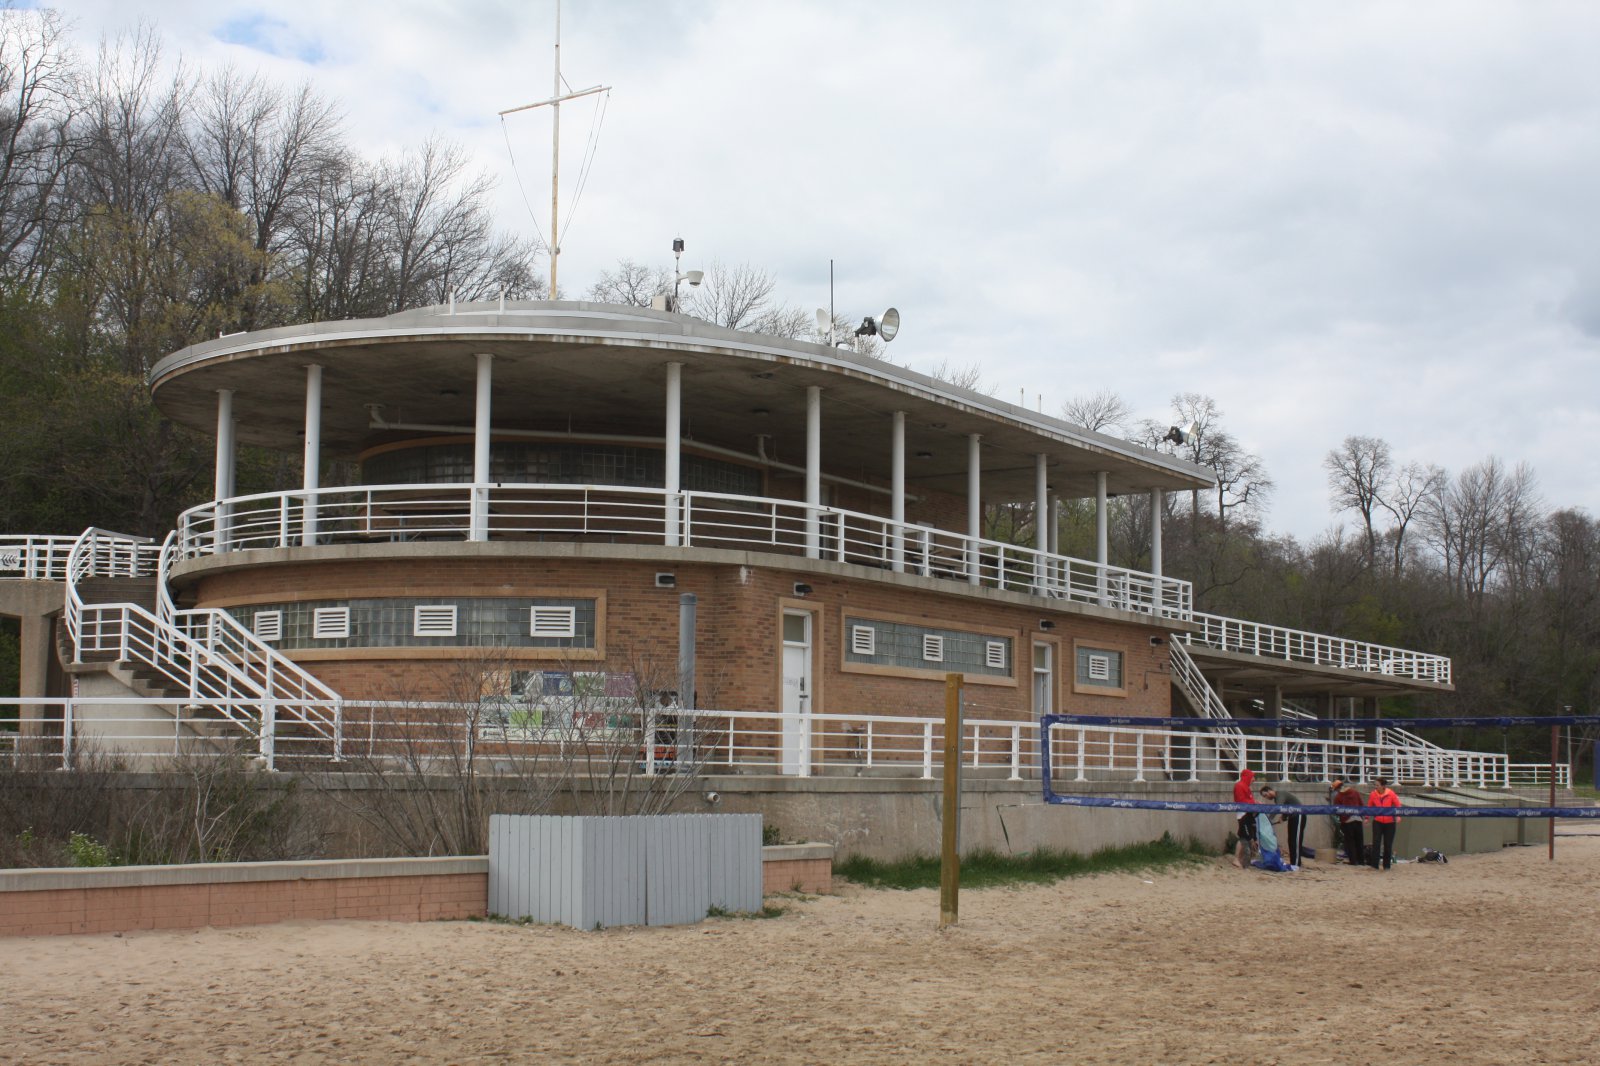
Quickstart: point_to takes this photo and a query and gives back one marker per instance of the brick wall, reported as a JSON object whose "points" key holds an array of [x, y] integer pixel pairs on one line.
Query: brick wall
{"points": [[124, 899], [738, 630]]}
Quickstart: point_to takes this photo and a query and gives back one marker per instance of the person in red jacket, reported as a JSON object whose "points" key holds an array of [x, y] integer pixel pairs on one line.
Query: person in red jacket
{"points": [[1247, 821], [1383, 825], [1345, 795]]}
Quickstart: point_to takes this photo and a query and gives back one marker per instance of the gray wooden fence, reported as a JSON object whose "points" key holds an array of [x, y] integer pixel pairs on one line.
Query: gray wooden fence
{"points": [[591, 872]]}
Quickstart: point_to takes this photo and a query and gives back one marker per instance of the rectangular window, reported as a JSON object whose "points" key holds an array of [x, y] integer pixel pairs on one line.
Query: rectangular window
{"points": [[330, 623], [994, 654], [434, 621], [267, 626], [1099, 669], [553, 622], [932, 649], [863, 640]]}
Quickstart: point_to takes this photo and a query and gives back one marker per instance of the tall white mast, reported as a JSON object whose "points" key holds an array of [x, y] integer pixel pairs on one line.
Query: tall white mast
{"points": [[554, 103]]}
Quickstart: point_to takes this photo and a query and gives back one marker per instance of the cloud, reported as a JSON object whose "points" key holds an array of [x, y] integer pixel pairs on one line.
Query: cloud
{"points": [[1371, 219]]}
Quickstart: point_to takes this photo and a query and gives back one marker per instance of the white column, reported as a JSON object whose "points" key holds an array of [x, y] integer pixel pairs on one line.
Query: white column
{"points": [[313, 456], [1102, 539], [224, 471], [1155, 531], [897, 490], [481, 434], [672, 443], [1041, 520], [813, 471], [974, 506], [1055, 524]]}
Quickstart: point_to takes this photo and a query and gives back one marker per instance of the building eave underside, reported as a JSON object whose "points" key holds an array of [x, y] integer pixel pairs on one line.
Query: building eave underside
{"points": [[571, 369]]}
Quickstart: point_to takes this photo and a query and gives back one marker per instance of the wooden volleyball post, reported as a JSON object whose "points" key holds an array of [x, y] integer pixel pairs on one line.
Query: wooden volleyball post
{"points": [[949, 859]]}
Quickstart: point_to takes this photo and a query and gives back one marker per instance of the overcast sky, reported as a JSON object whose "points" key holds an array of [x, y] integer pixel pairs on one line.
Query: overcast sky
{"points": [[1334, 218]]}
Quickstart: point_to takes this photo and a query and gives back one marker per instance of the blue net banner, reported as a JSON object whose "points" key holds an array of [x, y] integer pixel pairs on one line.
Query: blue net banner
{"points": [[1051, 796], [1149, 722]]}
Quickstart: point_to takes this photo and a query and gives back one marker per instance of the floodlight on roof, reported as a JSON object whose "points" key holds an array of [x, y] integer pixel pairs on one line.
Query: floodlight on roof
{"points": [[886, 327], [1181, 435]]}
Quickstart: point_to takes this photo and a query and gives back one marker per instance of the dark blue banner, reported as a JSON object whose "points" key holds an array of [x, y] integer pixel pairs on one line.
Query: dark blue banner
{"points": [[1269, 724], [1051, 796]]}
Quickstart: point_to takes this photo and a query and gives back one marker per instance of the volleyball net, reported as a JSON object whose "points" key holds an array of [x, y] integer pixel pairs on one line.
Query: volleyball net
{"points": [[1049, 725]]}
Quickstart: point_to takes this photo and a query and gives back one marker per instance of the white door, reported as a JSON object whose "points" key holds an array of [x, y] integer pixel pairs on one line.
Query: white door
{"points": [[797, 693], [1043, 680]]}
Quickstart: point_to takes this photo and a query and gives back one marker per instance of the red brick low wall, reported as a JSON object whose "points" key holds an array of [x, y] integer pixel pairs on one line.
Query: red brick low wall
{"points": [[120, 899], [128, 898], [797, 868]]}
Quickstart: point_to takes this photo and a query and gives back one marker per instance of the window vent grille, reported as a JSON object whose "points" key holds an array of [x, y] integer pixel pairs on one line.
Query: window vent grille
{"points": [[330, 623], [434, 621], [1099, 667], [863, 640], [994, 654], [933, 649], [553, 622], [267, 626]]}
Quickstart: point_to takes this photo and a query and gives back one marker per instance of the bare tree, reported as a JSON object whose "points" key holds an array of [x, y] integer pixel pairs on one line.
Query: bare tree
{"points": [[39, 104], [968, 377], [1410, 488], [1359, 473], [631, 283], [1101, 412]]}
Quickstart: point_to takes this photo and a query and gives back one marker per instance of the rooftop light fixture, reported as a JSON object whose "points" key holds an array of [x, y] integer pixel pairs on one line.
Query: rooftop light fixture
{"points": [[887, 327], [1181, 435]]}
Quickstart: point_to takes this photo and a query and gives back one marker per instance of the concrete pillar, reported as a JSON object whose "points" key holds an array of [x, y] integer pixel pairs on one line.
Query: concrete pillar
{"points": [[897, 492], [1055, 524], [481, 435], [33, 680], [313, 455], [672, 443], [974, 505], [813, 471]]}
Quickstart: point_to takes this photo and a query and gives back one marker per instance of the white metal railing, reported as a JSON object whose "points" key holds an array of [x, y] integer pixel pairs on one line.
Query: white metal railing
{"points": [[1275, 642], [213, 670], [719, 741], [42, 558], [1193, 684], [626, 514], [273, 674]]}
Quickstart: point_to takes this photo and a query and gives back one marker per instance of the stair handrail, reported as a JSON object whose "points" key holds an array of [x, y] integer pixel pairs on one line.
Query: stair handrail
{"points": [[279, 677], [1193, 684], [101, 553]]}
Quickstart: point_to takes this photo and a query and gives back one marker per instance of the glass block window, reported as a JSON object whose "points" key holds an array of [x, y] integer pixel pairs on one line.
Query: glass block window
{"points": [[908, 646], [1099, 668], [268, 626], [554, 463], [433, 621], [415, 623]]}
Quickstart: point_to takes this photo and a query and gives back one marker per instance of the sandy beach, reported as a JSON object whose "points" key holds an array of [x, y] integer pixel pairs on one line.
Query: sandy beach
{"points": [[1489, 959]]}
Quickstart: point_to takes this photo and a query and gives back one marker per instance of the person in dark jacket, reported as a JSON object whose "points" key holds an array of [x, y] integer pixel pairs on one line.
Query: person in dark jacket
{"points": [[1294, 825], [1345, 795]]}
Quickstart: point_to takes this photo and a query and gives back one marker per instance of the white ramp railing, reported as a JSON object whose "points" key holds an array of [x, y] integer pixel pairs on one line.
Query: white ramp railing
{"points": [[1319, 649]]}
